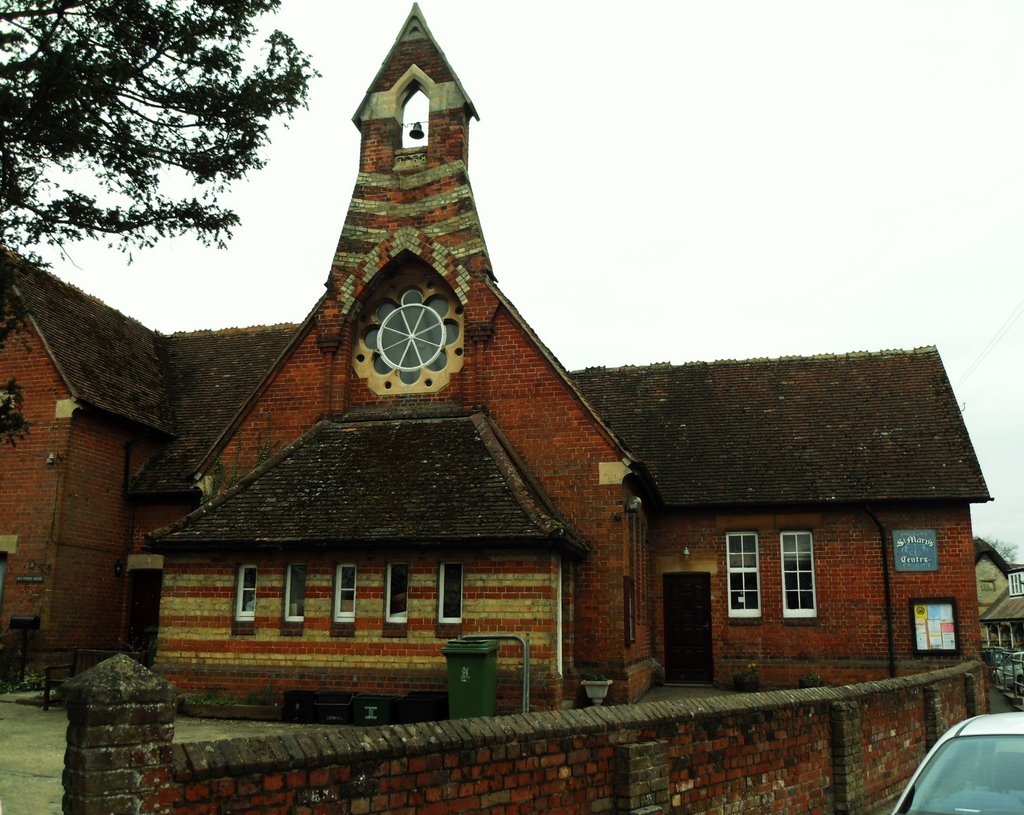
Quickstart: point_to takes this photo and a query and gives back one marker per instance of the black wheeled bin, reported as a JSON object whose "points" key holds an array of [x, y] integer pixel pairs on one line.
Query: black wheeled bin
{"points": [[334, 707], [373, 708], [299, 706], [423, 706]]}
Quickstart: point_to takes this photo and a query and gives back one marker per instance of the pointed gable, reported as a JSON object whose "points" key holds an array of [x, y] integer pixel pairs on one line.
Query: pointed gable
{"points": [[107, 360], [187, 386], [414, 46], [859, 427]]}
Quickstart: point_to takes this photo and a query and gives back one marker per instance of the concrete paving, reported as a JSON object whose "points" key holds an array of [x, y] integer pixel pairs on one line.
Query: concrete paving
{"points": [[32, 743]]}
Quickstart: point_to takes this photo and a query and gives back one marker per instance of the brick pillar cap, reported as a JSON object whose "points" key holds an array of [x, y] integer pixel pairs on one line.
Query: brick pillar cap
{"points": [[118, 680]]}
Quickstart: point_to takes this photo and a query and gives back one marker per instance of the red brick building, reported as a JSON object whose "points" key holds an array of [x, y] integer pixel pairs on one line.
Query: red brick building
{"points": [[325, 505]]}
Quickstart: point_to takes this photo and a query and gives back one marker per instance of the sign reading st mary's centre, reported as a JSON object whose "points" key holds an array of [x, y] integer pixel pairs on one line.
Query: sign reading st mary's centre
{"points": [[915, 550]]}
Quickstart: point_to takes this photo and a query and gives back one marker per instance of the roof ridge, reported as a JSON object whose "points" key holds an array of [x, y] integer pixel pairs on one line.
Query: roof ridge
{"points": [[211, 332], [924, 350], [32, 267]]}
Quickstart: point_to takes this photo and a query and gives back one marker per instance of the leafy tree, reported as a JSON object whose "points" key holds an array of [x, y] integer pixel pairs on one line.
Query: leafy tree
{"points": [[103, 102]]}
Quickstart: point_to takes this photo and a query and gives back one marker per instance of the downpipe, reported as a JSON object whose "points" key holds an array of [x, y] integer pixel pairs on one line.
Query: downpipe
{"points": [[887, 583]]}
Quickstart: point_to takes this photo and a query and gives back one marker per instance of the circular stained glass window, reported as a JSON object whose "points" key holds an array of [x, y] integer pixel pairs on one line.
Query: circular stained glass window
{"points": [[412, 336]]}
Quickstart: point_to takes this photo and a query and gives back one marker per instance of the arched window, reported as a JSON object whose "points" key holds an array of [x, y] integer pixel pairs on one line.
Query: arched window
{"points": [[416, 119]]}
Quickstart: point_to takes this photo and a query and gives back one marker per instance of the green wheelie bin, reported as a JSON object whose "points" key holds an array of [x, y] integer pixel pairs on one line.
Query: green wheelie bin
{"points": [[472, 678]]}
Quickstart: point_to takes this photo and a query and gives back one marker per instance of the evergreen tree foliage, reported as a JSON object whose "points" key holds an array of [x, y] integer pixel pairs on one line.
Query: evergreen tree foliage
{"points": [[110, 108]]}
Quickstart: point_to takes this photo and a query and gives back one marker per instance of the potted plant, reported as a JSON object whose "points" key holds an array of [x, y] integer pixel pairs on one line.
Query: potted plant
{"points": [[749, 679], [596, 686], [811, 680]]}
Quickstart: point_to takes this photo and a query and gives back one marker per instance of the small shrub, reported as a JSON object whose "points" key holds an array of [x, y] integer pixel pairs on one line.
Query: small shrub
{"points": [[33, 681], [214, 696]]}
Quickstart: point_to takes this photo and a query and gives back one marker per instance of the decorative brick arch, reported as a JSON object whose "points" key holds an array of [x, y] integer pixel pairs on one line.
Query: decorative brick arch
{"points": [[429, 251]]}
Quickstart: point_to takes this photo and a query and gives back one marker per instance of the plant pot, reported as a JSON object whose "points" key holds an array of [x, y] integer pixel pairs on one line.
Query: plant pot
{"points": [[597, 689], [747, 684]]}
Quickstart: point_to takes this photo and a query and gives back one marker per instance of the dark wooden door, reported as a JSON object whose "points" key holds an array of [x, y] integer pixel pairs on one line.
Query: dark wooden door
{"points": [[144, 611], [688, 627]]}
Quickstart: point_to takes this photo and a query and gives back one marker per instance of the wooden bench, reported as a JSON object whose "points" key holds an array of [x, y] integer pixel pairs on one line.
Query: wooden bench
{"points": [[83, 659]]}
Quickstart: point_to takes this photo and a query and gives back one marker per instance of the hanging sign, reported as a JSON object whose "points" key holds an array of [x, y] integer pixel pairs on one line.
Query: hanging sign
{"points": [[915, 550]]}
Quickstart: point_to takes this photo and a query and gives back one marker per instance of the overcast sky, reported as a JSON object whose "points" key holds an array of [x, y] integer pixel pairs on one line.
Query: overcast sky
{"points": [[767, 178]]}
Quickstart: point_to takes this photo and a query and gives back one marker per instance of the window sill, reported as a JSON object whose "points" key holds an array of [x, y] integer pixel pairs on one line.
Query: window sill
{"points": [[346, 628], [745, 621], [243, 628], [292, 629]]}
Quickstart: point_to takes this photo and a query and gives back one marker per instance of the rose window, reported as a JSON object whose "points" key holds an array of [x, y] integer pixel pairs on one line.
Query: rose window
{"points": [[410, 342]]}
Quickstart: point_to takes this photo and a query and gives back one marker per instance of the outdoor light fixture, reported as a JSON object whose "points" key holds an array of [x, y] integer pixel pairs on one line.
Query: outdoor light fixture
{"points": [[118, 568], [686, 551]]}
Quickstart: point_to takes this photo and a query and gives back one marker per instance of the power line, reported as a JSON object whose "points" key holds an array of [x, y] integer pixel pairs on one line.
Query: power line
{"points": [[992, 343]]}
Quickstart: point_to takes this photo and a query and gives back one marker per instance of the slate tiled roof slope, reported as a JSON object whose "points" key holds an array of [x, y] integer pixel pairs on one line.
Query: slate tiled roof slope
{"points": [[1004, 609], [209, 374], [186, 385], [351, 483], [867, 426], [106, 359]]}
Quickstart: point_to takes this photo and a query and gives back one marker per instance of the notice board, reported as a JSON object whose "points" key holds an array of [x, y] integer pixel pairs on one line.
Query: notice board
{"points": [[933, 623]]}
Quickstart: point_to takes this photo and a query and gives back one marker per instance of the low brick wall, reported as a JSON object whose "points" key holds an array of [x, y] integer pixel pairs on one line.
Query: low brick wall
{"points": [[820, 750]]}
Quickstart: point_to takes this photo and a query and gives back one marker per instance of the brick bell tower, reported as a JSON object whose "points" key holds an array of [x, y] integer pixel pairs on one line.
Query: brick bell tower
{"points": [[412, 204]]}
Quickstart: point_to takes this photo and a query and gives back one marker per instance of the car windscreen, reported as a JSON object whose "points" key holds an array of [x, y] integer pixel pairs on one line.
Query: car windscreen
{"points": [[972, 775]]}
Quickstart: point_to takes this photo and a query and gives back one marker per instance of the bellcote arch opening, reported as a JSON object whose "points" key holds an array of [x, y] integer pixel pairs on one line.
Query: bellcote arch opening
{"points": [[415, 118]]}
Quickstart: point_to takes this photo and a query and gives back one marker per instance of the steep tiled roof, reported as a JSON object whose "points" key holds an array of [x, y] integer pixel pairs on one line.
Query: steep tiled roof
{"points": [[185, 385], [1004, 608], [106, 359], [808, 429], [407, 481], [983, 548], [210, 374]]}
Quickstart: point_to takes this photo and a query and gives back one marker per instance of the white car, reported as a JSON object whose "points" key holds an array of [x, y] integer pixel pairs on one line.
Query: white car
{"points": [[975, 768]]}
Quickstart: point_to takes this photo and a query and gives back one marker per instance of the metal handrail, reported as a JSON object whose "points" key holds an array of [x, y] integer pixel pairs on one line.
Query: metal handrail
{"points": [[526, 658]]}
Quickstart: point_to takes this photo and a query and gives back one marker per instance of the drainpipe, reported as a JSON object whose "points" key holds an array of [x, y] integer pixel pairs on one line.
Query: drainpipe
{"points": [[526, 658], [883, 549]]}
